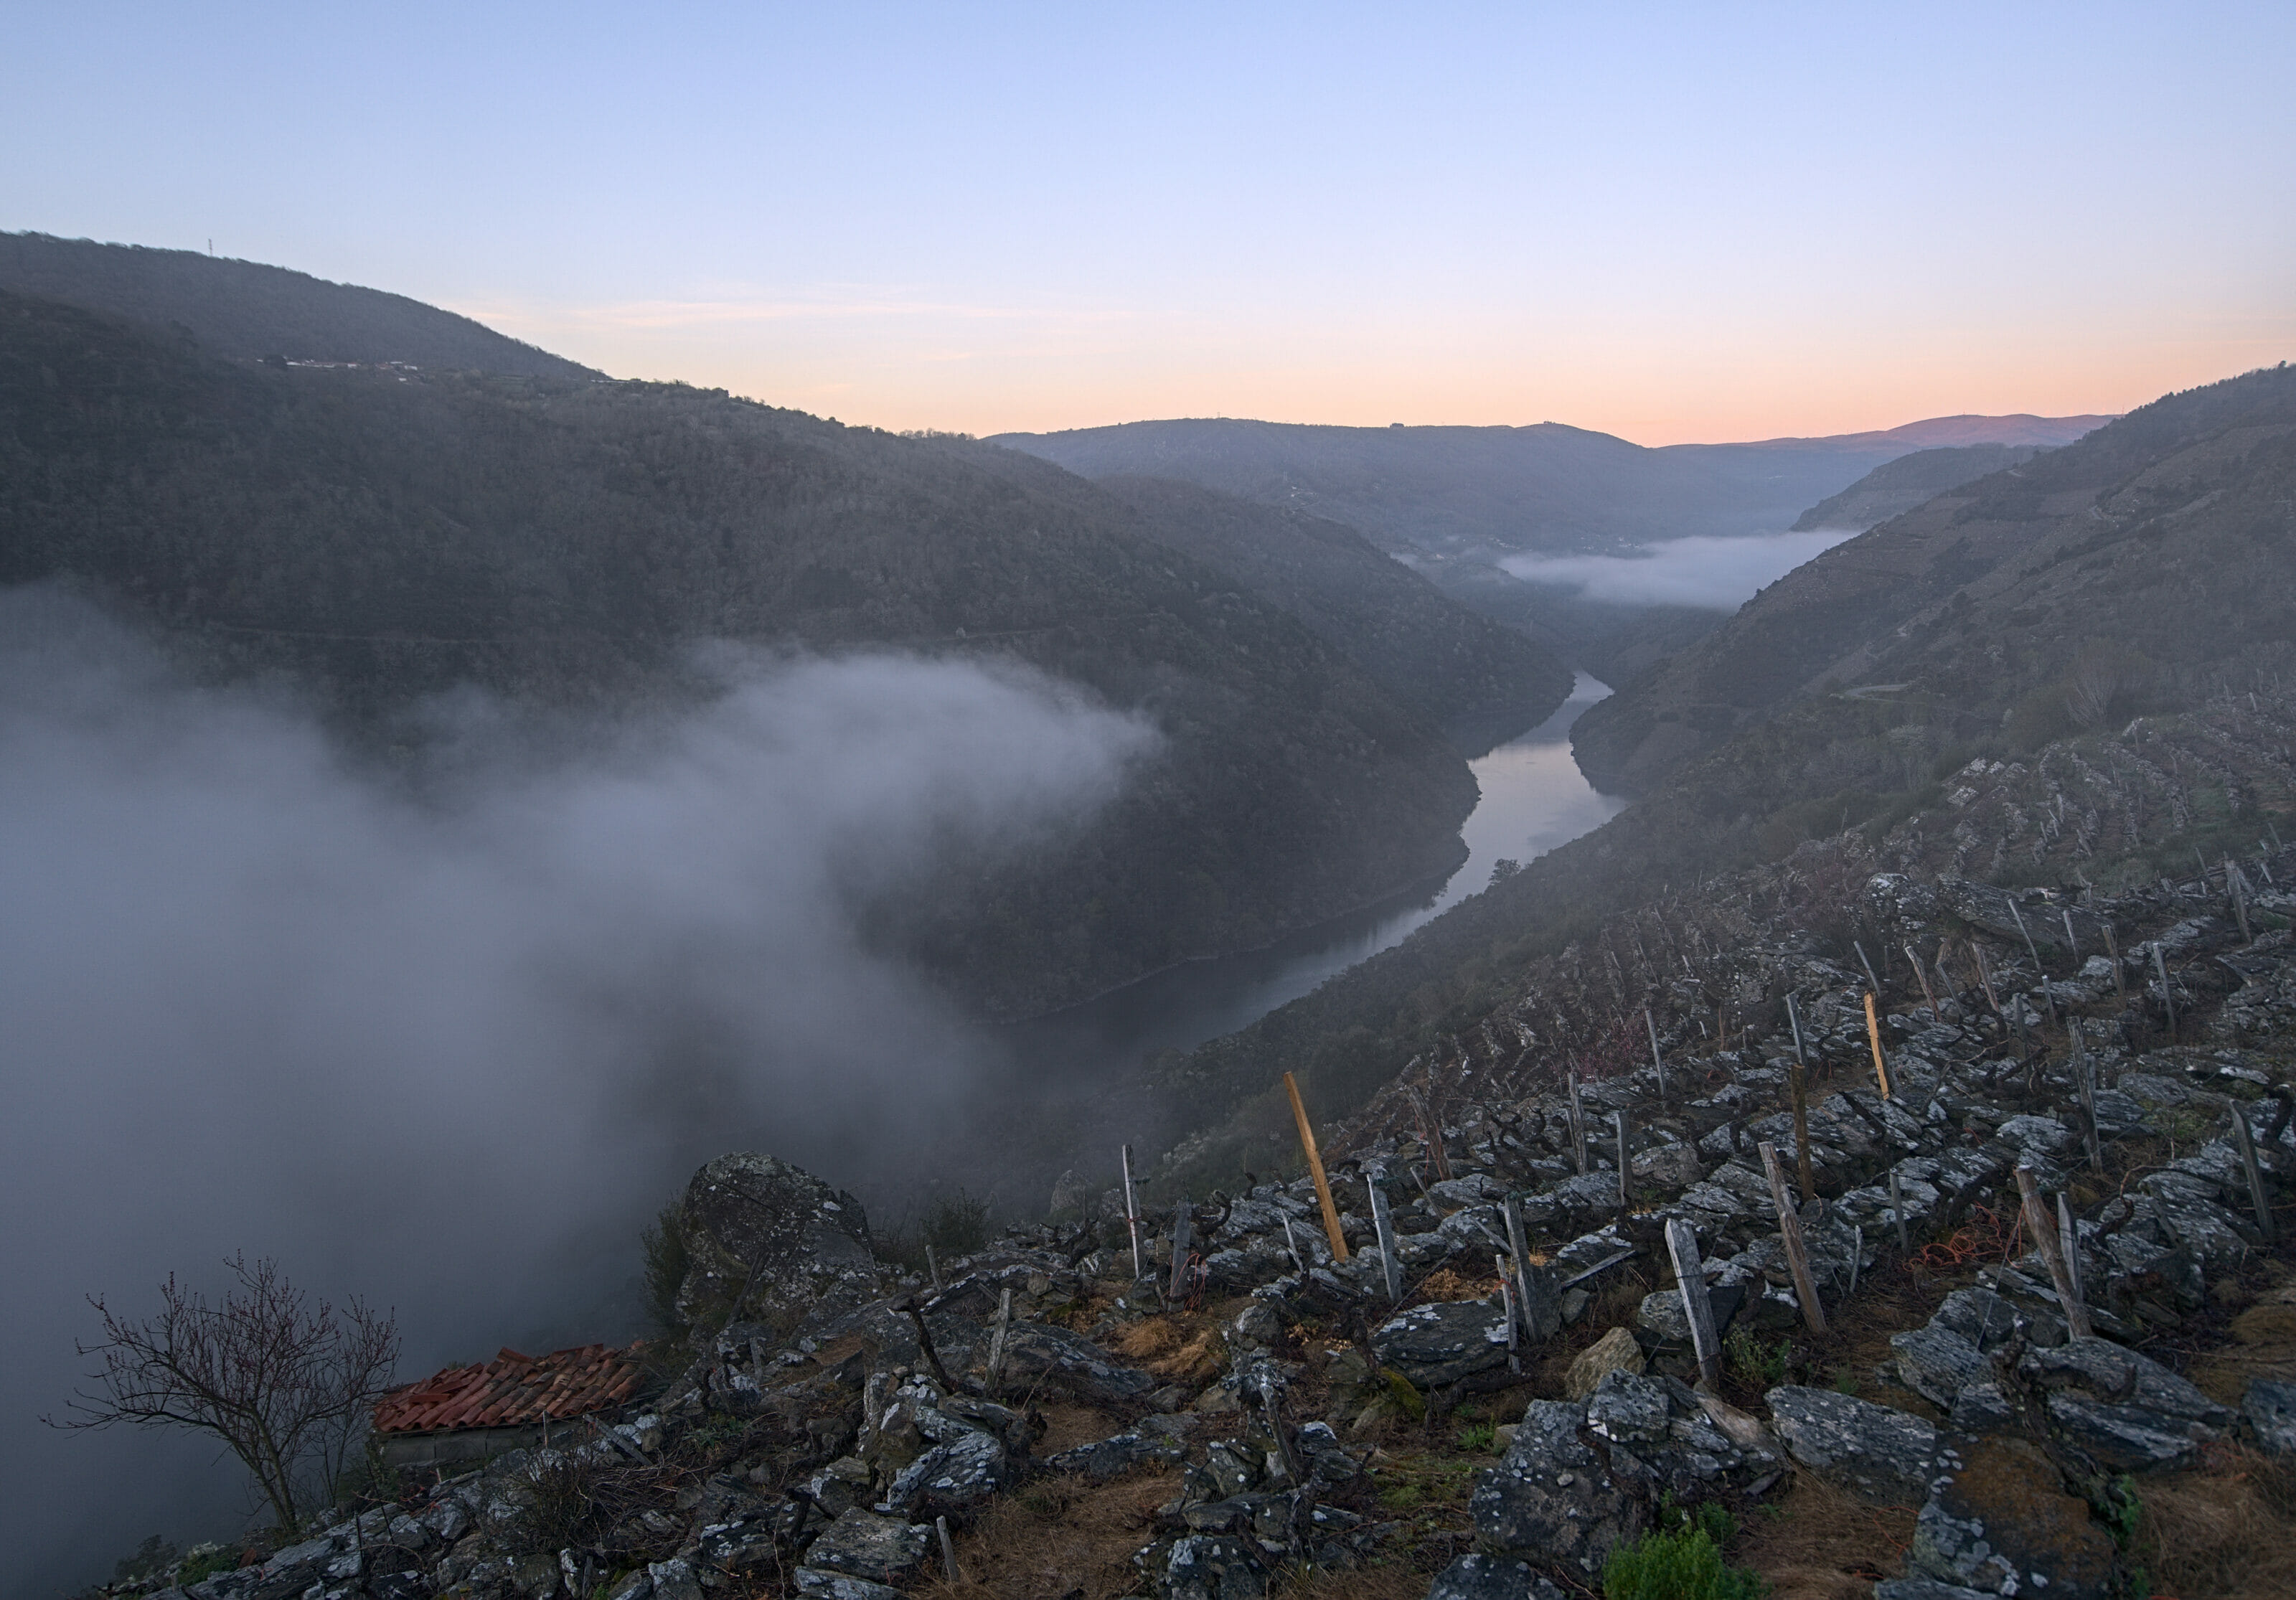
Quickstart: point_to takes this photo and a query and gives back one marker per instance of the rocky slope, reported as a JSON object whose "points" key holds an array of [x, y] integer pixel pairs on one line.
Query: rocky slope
{"points": [[1498, 1385]]}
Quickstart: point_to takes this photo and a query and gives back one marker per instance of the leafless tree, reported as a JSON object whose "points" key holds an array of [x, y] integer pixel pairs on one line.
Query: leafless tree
{"points": [[282, 1380]]}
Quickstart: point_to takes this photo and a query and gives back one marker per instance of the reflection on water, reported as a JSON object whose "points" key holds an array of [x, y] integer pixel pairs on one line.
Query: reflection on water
{"points": [[1534, 797]]}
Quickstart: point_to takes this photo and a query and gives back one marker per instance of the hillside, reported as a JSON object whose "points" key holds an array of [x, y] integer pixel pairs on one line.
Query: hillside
{"points": [[1453, 666], [2157, 542], [2015, 625], [1545, 487], [1896, 487], [386, 535], [244, 311]]}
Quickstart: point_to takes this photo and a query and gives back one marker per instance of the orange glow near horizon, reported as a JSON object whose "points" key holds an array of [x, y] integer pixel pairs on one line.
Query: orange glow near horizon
{"points": [[891, 364]]}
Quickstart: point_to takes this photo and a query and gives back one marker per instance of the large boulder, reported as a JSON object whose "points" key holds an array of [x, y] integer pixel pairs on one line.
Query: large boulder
{"points": [[2129, 1412], [776, 1237]]}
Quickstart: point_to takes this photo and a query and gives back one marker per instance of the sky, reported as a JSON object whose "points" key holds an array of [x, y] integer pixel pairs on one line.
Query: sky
{"points": [[1673, 223]]}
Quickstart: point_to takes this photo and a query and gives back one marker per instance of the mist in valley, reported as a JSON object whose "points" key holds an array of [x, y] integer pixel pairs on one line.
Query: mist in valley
{"points": [[1713, 573], [442, 1031]]}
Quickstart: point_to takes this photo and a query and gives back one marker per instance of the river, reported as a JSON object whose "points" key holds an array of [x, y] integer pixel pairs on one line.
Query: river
{"points": [[1533, 799]]}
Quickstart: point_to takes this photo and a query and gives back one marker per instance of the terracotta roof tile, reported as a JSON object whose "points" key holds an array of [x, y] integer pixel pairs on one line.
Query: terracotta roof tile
{"points": [[512, 1391]]}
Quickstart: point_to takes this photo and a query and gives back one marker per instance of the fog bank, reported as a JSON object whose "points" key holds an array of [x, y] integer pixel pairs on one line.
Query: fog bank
{"points": [[443, 1034], [1717, 574]]}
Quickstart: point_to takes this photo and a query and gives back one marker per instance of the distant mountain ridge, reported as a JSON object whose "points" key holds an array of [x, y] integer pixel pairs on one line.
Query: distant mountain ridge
{"points": [[1548, 488], [244, 311]]}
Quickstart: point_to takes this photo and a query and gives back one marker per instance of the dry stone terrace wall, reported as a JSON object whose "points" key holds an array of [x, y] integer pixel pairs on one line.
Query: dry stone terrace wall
{"points": [[818, 1446]]}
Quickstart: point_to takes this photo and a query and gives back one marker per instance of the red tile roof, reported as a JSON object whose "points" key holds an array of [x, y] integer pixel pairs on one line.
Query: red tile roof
{"points": [[512, 1391]]}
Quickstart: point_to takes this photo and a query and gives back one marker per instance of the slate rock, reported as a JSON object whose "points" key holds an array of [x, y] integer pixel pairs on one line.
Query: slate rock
{"points": [[673, 1579], [863, 1543], [2270, 1407], [1444, 1342], [1926, 1588], [1550, 1497], [799, 1245], [1999, 1520], [1937, 1363], [2114, 1371], [1211, 1566], [1880, 1454], [1104, 1460], [1491, 1578], [2125, 1439], [1979, 1408], [819, 1583], [1073, 1362], [950, 1479], [1663, 1440], [1978, 1315]]}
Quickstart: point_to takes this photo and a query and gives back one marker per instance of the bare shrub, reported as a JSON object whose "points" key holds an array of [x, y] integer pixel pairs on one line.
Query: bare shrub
{"points": [[285, 1382]]}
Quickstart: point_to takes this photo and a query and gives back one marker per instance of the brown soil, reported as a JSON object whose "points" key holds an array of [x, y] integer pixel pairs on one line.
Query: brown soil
{"points": [[1059, 1539], [1821, 1544]]}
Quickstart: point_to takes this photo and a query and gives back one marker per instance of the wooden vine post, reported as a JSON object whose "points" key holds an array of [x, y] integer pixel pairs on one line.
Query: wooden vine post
{"points": [[1316, 1167], [1874, 1038], [1800, 1082], [1690, 1280], [2044, 1233], [1790, 1230]]}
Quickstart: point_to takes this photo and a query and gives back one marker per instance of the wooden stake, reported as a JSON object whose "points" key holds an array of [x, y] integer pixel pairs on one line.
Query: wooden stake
{"points": [[2045, 1237], [1512, 1212], [1928, 993], [2236, 885], [1985, 977], [1867, 964], [1857, 1258], [2168, 996], [1690, 1279], [1803, 1169], [2120, 976], [997, 1340], [1897, 1213], [1391, 1269], [1790, 1230], [2034, 951], [1132, 1219], [1316, 1166], [933, 1267], [1578, 1123], [1657, 1064], [1874, 1037], [1624, 1199], [2072, 939], [1291, 1244], [1183, 1223], [948, 1550], [1510, 1305], [2085, 1075], [2244, 1142], [2069, 1238]]}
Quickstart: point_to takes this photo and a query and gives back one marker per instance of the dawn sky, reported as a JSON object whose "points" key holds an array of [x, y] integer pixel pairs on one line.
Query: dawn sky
{"points": [[1668, 222]]}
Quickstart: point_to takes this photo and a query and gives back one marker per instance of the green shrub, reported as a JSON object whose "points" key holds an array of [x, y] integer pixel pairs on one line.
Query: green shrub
{"points": [[1681, 1565], [957, 1225]]}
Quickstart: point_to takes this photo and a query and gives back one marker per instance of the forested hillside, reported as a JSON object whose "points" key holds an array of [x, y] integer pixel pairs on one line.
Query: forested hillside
{"points": [[1454, 666], [2041, 592], [1896, 486], [386, 535], [245, 311]]}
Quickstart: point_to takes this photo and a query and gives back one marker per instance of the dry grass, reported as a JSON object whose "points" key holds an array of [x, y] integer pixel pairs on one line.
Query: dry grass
{"points": [[1058, 1539], [1824, 1545], [1068, 1425], [1388, 1580], [1181, 1349], [2264, 1346], [2225, 1532], [1445, 1285]]}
